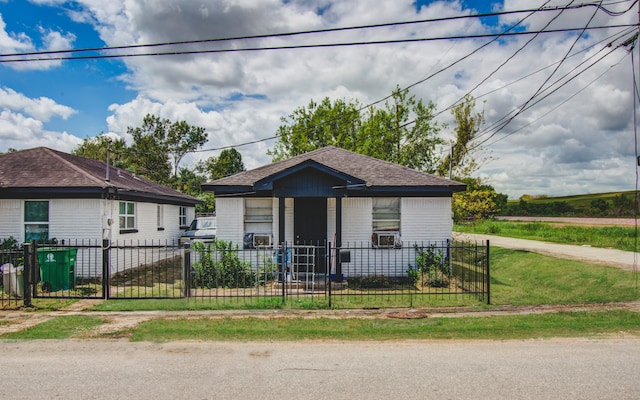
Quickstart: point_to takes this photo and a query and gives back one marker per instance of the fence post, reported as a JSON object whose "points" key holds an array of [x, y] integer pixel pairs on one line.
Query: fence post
{"points": [[488, 276], [449, 257], [283, 267], [330, 281], [26, 275], [186, 272], [106, 269]]}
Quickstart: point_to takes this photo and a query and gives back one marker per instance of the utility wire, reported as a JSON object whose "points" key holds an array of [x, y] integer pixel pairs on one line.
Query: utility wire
{"points": [[496, 37], [307, 32], [540, 88], [304, 46], [521, 110], [562, 103]]}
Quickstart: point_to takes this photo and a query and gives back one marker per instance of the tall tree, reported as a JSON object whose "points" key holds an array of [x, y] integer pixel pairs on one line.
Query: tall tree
{"points": [[181, 139], [159, 145], [149, 153], [97, 148], [227, 163], [318, 125], [461, 161], [401, 131]]}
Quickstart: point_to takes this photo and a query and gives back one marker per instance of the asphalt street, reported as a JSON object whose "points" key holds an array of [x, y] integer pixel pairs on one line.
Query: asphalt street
{"points": [[113, 369]]}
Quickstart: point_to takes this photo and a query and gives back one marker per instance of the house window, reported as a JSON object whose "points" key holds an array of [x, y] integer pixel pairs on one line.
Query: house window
{"points": [[160, 217], [127, 216], [386, 222], [36, 221], [386, 214], [182, 219], [258, 219]]}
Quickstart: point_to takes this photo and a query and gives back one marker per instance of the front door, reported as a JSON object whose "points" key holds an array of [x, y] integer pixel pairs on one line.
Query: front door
{"points": [[310, 228]]}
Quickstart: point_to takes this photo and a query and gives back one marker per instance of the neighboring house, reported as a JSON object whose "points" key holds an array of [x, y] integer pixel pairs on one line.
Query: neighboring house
{"points": [[47, 194], [334, 195]]}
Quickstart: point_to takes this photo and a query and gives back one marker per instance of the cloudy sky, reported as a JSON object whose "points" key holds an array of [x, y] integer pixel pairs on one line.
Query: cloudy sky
{"points": [[558, 105]]}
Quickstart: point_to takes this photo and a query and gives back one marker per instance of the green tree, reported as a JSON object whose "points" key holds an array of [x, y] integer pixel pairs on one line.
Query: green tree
{"points": [[97, 147], [189, 182], [479, 201], [159, 145], [401, 131], [460, 161], [181, 139], [149, 152], [318, 125], [229, 162]]}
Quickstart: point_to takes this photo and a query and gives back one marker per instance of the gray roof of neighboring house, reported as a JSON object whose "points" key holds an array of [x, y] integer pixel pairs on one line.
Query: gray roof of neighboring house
{"points": [[45, 172], [372, 171]]}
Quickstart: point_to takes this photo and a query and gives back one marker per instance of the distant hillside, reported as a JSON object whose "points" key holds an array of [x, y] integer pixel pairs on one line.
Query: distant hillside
{"points": [[614, 204]]}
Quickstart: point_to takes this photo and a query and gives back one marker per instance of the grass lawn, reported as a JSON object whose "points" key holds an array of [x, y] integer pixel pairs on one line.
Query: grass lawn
{"points": [[574, 324], [525, 278], [615, 237]]}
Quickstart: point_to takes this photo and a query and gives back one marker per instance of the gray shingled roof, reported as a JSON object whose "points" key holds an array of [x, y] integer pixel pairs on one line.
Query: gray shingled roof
{"points": [[42, 167], [373, 171]]}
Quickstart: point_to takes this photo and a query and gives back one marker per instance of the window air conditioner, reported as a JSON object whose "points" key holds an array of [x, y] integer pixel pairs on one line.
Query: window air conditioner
{"points": [[261, 240], [387, 240]]}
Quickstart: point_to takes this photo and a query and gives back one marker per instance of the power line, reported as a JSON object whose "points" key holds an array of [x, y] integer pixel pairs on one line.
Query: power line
{"points": [[540, 88], [297, 33], [307, 46]]}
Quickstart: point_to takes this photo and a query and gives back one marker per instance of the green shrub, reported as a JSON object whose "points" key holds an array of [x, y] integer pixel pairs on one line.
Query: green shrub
{"points": [[218, 265], [433, 265], [371, 282]]}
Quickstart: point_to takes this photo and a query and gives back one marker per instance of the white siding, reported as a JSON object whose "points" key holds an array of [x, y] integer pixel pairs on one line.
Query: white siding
{"points": [[426, 219], [331, 220], [230, 220], [288, 219], [11, 219], [423, 220], [146, 222], [275, 221], [356, 221], [75, 219]]}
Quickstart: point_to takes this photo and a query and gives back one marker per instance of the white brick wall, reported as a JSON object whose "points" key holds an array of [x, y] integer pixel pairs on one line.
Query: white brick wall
{"points": [[11, 219], [357, 220], [230, 219]]}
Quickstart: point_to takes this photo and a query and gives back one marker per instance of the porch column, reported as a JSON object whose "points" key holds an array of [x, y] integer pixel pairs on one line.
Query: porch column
{"points": [[281, 226], [338, 243]]}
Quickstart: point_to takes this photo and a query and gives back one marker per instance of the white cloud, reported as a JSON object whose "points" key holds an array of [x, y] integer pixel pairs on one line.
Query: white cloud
{"points": [[42, 108], [21, 132], [20, 42]]}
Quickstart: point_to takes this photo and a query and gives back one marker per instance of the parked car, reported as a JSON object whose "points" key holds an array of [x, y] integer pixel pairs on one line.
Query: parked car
{"points": [[201, 228]]}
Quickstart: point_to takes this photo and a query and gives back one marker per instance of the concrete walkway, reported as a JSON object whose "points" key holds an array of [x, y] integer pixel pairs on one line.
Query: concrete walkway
{"points": [[626, 260]]}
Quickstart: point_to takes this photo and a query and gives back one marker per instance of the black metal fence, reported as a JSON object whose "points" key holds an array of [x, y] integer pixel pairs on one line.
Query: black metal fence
{"points": [[319, 274]]}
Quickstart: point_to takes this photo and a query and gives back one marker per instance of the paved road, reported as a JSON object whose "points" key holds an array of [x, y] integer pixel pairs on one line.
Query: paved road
{"points": [[627, 260], [544, 369]]}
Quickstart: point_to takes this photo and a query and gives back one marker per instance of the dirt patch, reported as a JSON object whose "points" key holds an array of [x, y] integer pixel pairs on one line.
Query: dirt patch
{"points": [[407, 314], [167, 271]]}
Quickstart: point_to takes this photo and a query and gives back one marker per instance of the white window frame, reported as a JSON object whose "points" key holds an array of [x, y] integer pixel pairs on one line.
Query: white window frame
{"points": [[258, 218], [386, 214], [182, 217], [160, 217], [129, 218], [39, 224]]}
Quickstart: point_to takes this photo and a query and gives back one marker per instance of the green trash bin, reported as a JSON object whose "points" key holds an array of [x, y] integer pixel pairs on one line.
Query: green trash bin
{"points": [[57, 267]]}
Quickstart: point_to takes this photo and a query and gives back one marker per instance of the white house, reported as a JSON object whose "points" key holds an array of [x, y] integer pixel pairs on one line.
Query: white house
{"points": [[337, 196], [47, 194]]}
